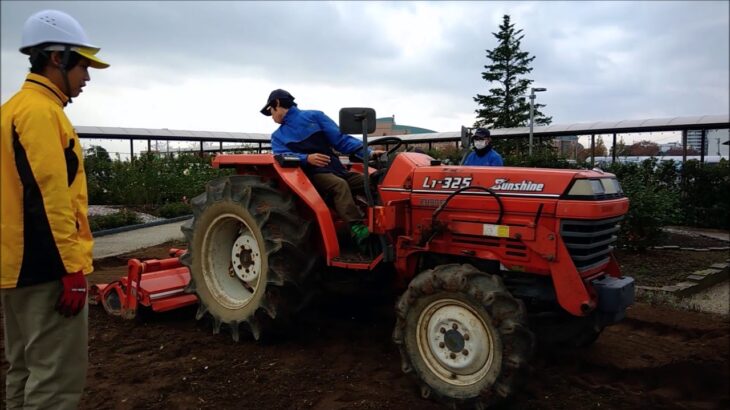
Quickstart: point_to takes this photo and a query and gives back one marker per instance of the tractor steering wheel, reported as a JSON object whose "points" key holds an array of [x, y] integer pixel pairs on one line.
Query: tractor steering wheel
{"points": [[383, 165], [388, 140]]}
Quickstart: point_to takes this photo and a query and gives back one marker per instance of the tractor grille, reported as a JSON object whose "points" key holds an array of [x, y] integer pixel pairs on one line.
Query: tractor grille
{"points": [[512, 248], [589, 242]]}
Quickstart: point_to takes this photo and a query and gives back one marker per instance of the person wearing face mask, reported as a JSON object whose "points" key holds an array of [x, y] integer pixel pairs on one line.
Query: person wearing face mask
{"points": [[483, 153]]}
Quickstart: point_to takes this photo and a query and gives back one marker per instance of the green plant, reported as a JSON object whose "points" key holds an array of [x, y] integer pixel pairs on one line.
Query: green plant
{"points": [[98, 166], [544, 156], [174, 209], [505, 105], [704, 199], [654, 202], [149, 179], [450, 152], [124, 217]]}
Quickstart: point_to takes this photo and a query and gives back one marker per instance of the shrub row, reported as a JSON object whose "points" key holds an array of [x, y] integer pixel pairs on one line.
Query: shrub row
{"points": [[149, 180], [122, 218]]}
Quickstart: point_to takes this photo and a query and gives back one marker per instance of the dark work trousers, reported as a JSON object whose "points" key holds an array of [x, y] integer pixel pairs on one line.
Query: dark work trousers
{"points": [[341, 189]]}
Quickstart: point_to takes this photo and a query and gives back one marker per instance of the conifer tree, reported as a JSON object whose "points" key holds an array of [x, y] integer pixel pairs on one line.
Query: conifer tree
{"points": [[507, 104]]}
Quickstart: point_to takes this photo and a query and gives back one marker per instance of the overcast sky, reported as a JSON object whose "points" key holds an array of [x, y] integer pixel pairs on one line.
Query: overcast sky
{"points": [[211, 65]]}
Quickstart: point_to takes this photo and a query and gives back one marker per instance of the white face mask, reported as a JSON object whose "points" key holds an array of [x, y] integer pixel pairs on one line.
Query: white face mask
{"points": [[480, 144]]}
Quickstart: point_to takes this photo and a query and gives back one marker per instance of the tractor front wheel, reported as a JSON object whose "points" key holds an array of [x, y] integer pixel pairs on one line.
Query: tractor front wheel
{"points": [[463, 335]]}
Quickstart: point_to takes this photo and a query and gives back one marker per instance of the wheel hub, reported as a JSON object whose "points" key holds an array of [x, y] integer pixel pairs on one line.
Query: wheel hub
{"points": [[246, 257], [455, 342], [233, 261]]}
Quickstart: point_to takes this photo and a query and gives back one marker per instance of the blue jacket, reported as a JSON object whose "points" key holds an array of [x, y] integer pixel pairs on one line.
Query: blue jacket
{"points": [[490, 158], [306, 132]]}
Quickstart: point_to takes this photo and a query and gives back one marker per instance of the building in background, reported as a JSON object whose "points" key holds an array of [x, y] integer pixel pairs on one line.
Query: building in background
{"points": [[387, 126], [673, 146], [714, 141], [717, 142], [694, 140], [568, 146]]}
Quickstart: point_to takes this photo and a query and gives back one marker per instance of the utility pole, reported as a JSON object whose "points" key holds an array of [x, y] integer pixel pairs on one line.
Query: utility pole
{"points": [[532, 111]]}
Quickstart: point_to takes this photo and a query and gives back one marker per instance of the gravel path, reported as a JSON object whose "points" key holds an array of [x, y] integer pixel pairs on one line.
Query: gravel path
{"points": [[108, 209]]}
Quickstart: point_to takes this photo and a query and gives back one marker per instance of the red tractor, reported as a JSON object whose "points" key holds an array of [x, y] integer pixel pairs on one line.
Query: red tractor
{"points": [[485, 258]]}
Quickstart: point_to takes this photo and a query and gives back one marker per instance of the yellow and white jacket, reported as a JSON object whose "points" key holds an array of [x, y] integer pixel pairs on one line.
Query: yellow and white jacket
{"points": [[43, 197]]}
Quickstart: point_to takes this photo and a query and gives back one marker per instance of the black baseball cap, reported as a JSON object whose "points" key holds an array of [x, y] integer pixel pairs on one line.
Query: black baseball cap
{"points": [[481, 133], [277, 94]]}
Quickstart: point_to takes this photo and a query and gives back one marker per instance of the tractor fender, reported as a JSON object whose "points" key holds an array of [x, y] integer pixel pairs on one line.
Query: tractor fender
{"points": [[297, 181]]}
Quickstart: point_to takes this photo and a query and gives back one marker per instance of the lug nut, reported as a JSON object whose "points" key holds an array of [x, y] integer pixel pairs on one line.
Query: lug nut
{"points": [[441, 345], [240, 266], [453, 355], [442, 330], [454, 326], [465, 352], [466, 336]]}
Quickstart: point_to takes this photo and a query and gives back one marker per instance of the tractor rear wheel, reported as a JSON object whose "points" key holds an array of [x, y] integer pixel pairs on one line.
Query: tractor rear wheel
{"points": [[249, 255], [462, 335]]}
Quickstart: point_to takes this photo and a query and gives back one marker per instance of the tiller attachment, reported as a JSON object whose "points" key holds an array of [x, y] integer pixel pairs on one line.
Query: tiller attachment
{"points": [[156, 283]]}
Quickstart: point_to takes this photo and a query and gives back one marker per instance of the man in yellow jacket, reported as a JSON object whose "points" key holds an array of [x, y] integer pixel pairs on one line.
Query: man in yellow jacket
{"points": [[46, 241]]}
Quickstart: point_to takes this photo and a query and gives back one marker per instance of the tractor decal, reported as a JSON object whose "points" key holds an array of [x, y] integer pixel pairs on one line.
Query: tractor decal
{"points": [[431, 203], [502, 184], [469, 193], [447, 182]]}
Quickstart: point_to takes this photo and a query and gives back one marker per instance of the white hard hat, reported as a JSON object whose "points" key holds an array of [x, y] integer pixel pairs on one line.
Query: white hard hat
{"points": [[57, 27], [53, 26]]}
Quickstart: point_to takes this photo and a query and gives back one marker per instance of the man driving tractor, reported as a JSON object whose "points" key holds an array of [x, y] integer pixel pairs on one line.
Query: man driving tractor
{"points": [[315, 139]]}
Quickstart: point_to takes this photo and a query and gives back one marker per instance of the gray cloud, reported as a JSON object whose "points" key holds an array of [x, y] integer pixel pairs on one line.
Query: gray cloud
{"points": [[599, 60]]}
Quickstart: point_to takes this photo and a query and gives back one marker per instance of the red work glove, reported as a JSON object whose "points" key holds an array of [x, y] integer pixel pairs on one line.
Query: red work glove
{"points": [[73, 298]]}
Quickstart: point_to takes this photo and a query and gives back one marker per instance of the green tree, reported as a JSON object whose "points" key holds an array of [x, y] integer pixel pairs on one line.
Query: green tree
{"points": [[507, 105], [599, 150], [620, 148], [98, 168]]}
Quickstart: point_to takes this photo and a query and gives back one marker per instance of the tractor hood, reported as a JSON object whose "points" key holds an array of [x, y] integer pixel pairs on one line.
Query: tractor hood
{"points": [[513, 181]]}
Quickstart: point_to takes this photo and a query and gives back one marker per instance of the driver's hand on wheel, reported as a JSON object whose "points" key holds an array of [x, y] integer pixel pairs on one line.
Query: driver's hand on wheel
{"points": [[377, 152], [318, 160]]}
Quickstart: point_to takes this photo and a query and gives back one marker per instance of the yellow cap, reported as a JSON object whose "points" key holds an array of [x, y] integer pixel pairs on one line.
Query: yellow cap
{"points": [[90, 54]]}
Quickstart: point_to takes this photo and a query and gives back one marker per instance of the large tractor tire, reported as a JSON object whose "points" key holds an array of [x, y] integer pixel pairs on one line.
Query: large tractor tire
{"points": [[463, 336], [249, 255]]}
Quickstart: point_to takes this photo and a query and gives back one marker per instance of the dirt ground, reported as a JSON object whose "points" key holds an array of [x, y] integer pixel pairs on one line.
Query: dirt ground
{"points": [[339, 355]]}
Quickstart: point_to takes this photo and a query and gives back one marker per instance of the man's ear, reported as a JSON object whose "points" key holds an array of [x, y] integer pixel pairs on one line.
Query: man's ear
{"points": [[56, 59]]}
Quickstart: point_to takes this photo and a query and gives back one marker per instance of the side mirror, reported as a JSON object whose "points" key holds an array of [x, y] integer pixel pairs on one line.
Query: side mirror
{"points": [[351, 120]]}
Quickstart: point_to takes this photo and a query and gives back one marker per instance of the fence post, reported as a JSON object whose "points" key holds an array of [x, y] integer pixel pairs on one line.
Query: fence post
{"points": [[702, 147], [613, 148], [593, 150]]}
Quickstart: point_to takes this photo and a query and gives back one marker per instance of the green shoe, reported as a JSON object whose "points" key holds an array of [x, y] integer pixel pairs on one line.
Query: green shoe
{"points": [[360, 234]]}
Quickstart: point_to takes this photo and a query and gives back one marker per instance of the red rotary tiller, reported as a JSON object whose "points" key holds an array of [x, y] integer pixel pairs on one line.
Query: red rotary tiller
{"points": [[156, 283]]}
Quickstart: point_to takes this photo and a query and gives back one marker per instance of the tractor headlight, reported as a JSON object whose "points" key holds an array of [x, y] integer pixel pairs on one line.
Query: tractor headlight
{"points": [[595, 188]]}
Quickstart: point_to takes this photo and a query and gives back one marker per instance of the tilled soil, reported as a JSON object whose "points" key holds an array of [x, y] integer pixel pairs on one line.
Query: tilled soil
{"points": [[339, 355]]}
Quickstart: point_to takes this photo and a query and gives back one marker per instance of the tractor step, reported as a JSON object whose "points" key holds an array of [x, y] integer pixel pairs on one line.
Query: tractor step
{"points": [[356, 261]]}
